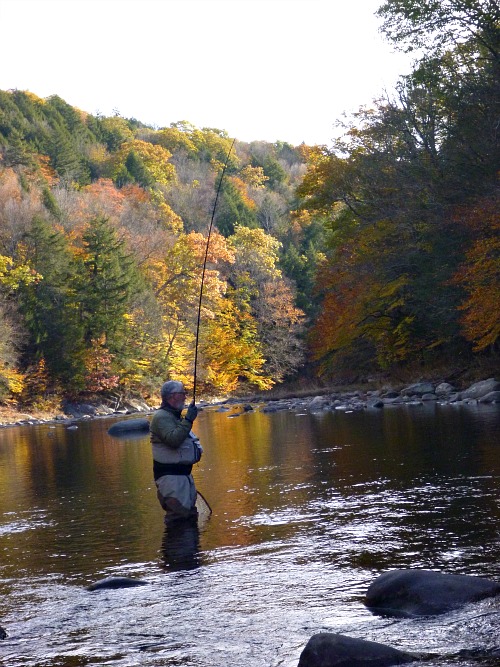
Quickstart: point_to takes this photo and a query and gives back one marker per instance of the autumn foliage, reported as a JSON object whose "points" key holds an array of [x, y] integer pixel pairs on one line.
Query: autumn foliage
{"points": [[479, 275], [408, 196], [100, 275], [376, 253]]}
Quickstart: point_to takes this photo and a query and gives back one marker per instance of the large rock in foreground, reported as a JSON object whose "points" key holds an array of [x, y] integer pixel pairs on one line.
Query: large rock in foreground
{"points": [[425, 592], [332, 650]]}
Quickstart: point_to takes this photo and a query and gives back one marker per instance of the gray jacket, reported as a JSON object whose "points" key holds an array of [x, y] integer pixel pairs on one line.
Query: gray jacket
{"points": [[172, 440]]}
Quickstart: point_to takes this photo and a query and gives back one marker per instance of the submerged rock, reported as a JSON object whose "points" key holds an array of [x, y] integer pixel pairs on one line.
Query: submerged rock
{"points": [[411, 593], [129, 426], [112, 583], [333, 650]]}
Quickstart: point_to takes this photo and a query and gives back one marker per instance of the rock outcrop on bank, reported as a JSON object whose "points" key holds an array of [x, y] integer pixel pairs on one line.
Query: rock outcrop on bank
{"points": [[74, 412], [419, 393]]}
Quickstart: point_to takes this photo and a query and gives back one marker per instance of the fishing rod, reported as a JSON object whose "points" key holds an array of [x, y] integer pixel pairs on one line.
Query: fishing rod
{"points": [[203, 272]]}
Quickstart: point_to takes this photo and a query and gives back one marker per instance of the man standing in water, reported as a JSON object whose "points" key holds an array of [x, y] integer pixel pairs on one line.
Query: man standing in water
{"points": [[175, 450]]}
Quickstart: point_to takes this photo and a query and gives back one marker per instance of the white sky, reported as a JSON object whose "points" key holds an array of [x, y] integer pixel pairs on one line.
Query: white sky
{"points": [[260, 69]]}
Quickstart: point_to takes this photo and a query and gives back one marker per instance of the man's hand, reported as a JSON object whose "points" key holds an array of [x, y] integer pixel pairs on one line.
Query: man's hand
{"points": [[192, 412]]}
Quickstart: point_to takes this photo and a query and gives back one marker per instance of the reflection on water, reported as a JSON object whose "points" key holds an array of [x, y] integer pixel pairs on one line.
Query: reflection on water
{"points": [[181, 546], [307, 510]]}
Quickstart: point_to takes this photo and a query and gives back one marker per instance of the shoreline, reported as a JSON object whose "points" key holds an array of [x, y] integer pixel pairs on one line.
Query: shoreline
{"points": [[482, 392]]}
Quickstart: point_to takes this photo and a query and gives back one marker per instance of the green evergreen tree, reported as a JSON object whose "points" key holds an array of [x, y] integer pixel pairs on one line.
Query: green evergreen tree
{"points": [[70, 117], [112, 131], [65, 158], [107, 284], [15, 151], [274, 172], [135, 167], [232, 210], [30, 121], [300, 260], [50, 203], [50, 306]]}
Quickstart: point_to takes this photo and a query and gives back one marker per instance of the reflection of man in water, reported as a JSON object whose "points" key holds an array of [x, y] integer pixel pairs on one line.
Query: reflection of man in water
{"points": [[175, 450], [181, 546]]}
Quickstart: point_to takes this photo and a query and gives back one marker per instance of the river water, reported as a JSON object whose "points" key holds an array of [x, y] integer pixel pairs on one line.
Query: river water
{"points": [[308, 509]]}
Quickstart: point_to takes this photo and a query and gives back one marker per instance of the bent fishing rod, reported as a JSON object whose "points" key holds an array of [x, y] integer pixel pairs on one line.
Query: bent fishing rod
{"points": [[203, 271]]}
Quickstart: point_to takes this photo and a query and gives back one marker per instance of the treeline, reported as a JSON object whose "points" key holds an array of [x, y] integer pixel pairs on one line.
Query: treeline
{"points": [[376, 253], [410, 198]]}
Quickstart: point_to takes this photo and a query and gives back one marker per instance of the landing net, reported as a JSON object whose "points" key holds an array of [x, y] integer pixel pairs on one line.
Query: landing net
{"points": [[204, 509]]}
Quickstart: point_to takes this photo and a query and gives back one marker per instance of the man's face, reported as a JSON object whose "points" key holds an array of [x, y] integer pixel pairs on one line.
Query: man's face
{"points": [[177, 399]]}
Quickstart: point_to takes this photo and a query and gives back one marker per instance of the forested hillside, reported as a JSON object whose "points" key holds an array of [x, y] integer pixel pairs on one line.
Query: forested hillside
{"points": [[103, 227], [410, 198], [377, 253]]}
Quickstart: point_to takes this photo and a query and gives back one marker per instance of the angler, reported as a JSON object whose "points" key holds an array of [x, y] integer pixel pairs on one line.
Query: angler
{"points": [[175, 450]]}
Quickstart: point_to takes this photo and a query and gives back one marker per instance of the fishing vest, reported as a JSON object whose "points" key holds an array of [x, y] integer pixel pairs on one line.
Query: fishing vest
{"points": [[187, 453]]}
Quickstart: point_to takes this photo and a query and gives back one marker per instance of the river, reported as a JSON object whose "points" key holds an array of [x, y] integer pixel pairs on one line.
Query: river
{"points": [[307, 510]]}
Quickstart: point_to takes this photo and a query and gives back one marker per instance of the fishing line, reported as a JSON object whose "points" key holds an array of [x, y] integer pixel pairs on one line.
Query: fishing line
{"points": [[203, 272]]}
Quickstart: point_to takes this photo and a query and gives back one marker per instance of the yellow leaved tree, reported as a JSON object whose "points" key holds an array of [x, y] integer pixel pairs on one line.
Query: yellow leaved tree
{"points": [[479, 274], [11, 277], [231, 350], [262, 292], [176, 281]]}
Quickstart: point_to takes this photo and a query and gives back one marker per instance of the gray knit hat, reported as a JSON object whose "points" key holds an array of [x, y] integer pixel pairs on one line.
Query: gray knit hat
{"points": [[171, 387]]}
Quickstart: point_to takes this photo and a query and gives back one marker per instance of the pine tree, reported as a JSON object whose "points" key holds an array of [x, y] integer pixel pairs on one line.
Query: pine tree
{"points": [[233, 211], [65, 158], [50, 306], [107, 285]]}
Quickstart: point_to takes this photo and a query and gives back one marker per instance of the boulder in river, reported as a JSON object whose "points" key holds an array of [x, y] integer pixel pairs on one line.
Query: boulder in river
{"points": [[112, 583], [333, 650], [409, 593], [129, 426]]}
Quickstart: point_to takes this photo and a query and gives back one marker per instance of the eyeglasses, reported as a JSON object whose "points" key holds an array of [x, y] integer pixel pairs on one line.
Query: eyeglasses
{"points": [[180, 393]]}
